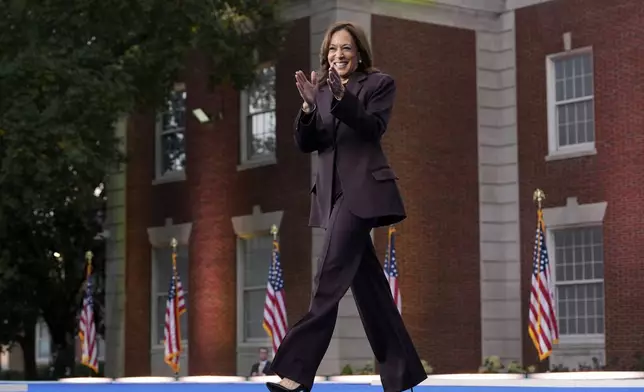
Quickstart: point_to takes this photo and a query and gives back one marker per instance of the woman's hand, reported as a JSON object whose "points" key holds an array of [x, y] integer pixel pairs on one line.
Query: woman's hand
{"points": [[335, 83], [308, 89]]}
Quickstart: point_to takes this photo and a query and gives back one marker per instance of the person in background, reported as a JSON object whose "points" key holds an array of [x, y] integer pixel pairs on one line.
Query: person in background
{"points": [[263, 367]]}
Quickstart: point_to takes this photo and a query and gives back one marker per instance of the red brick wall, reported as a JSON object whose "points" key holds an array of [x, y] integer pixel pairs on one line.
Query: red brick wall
{"points": [[139, 175], [432, 146], [615, 30], [219, 192], [213, 193], [285, 186]]}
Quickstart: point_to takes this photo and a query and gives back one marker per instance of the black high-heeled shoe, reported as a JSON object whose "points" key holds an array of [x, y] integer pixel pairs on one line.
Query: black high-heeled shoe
{"points": [[276, 387]]}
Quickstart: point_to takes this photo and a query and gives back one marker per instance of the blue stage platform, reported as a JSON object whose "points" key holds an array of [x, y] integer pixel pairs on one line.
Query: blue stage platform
{"points": [[546, 382]]}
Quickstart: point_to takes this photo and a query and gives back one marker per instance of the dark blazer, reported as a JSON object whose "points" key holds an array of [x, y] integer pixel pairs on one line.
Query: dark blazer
{"points": [[352, 128], [267, 368]]}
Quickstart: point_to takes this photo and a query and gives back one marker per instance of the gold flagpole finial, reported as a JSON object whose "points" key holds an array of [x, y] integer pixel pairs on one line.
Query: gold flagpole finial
{"points": [[174, 244], [274, 231], [538, 196], [88, 256]]}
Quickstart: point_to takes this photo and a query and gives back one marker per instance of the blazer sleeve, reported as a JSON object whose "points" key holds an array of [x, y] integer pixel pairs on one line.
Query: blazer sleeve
{"points": [[370, 121], [306, 132]]}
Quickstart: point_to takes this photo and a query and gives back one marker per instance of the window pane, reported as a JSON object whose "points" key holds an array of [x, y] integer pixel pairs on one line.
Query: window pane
{"points": [[580, 308], [574, 120], [257, 258], [254, 313], [183, 320], [173, 156], [576, 253], [261, 134], [173, 125], [261, 94], [175, 109], [574, 74], [574, 80], [261, 125]]}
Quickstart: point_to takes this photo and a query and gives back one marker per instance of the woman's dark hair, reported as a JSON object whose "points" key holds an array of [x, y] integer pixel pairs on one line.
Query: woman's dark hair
{"points": [[362, 44]]}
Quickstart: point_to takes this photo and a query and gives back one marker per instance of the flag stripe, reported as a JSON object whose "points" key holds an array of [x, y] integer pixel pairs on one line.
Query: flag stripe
{"points": [[175, 307], [391, 269], [542, 327], [275, 321], [87, 327]]}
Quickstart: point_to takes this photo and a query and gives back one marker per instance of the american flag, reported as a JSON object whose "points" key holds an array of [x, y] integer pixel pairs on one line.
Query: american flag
{"points": [[391, 268], [174, 308], [87, 327], [542, 326], [275, 322]]}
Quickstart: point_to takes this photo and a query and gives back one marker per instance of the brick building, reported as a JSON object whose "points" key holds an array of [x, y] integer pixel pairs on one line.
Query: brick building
{"points": [[495, 98]]}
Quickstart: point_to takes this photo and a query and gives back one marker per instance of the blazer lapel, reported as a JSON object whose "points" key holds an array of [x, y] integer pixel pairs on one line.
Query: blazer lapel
{"points": [[354, 85]]}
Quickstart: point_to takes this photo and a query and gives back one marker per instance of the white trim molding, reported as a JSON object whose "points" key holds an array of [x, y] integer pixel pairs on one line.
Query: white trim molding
{"points": [[161, 236], [574, 214], [256, 223]]}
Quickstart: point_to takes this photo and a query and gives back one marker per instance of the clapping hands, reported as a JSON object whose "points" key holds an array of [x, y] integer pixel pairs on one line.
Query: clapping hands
{"points": [[335, 83], [308, 89]]}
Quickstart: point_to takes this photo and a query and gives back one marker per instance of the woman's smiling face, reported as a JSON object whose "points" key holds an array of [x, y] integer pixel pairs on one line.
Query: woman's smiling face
{"points": [[343, 53]]}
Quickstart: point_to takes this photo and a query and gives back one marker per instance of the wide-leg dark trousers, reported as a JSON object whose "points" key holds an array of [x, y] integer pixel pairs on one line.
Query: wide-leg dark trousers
{"points": [[348, 259]]}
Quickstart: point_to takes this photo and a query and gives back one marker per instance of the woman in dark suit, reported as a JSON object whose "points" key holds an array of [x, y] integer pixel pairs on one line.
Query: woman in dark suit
{"points": [[345, 112]]}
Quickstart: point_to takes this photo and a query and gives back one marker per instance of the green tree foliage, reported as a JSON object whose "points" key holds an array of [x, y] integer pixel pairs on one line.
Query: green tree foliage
{"points": [[68, 70]]}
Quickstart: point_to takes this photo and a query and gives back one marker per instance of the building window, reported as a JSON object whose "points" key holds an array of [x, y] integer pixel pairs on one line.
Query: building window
{"points": [[43, 343], [579, 280], [258, 122], [162, 271], [256, 253], [571, 102], [171, 130]]}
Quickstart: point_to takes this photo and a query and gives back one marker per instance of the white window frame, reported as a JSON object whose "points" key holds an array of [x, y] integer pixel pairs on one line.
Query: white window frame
{"points": [[247, 226], [574, 215], [178, 175], [576, 150], [245, 161], [160, 237]]}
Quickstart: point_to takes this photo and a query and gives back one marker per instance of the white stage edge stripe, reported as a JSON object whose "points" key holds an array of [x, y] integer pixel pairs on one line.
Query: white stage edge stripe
{"points": [[264, 379], [87, 380], [144, 380], [213, 379], [588, 375], [551, 380], [13, 387], [355, 379]]}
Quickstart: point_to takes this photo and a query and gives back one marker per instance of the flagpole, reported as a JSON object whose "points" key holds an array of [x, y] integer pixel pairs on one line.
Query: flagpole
{"points": [[88, 256], [174, 243]]}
